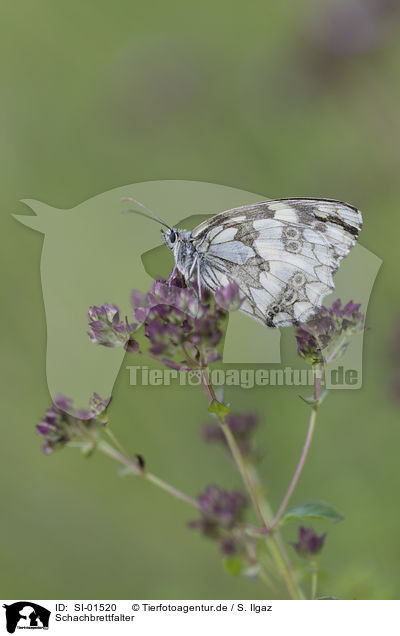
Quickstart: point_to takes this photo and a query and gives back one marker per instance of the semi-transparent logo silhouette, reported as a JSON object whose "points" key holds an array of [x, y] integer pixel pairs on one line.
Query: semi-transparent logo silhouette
{"points": [[93, 254]]}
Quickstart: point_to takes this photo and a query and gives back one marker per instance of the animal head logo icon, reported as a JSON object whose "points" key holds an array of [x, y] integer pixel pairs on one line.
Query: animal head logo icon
{"points": [[92, 254]]}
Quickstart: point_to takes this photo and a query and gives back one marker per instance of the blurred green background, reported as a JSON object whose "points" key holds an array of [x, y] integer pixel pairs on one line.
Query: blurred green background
{"points": [[287, 99]]}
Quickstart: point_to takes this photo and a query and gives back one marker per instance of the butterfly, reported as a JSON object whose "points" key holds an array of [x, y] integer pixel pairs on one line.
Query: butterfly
{"points": [[282, 254]]}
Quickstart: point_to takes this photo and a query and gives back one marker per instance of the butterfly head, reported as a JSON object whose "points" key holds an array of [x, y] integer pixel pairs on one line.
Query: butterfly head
{"points": [[171, 237]]}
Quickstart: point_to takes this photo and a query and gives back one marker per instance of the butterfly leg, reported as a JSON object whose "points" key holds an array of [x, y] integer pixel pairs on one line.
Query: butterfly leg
{"points": [[195, 263], [198, 278]]}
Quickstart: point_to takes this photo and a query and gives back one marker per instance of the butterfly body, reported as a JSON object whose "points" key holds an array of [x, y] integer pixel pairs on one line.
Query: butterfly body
{"points": [[282, 254]]}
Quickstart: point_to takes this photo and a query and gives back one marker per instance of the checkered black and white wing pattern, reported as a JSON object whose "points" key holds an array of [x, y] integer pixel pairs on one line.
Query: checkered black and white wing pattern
{"points": [[282, 254]]}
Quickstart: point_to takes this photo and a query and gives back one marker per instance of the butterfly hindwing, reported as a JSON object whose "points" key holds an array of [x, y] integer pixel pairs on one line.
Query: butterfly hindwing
{"points": [[282, 254]]}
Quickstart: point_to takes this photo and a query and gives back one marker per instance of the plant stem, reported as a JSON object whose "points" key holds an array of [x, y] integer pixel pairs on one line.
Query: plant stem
{"points": [[306, 448], [274, 543], [314, 580], [299, 468], [115, 440], [125, 461], [243, 470], [287, 575], [171, 489], [275, 536], [235, 453]]}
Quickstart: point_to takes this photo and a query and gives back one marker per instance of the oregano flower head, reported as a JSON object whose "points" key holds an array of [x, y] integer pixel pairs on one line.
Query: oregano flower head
{"points": [[327, 335], [308, 543], [64, 423]]}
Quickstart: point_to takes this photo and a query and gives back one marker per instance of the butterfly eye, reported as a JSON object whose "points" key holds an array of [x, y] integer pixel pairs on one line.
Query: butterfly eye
{"points": [[172, 236]]}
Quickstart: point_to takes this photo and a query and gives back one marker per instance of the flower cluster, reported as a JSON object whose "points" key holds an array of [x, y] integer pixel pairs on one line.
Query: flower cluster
{"points": [[220, 513], [242, 427], [326, 336], [64, 423], [177, 320], [309, 543], [343, 29], [228, 298], [107, 328]]}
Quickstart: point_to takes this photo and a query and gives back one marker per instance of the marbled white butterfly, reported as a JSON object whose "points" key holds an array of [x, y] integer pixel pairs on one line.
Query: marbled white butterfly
{"points": [[282, 254]]}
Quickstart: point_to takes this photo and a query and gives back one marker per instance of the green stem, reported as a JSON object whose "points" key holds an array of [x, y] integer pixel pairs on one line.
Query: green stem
{"points": [[311, 428], [283, 568], [115, 440], [234, 448], [125, 461], [274, 544], [299, 467], [269, 515], [314, 580]]}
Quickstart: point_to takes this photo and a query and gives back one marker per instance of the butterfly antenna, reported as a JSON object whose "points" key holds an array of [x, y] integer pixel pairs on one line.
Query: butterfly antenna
{"points": [[152, 214]]}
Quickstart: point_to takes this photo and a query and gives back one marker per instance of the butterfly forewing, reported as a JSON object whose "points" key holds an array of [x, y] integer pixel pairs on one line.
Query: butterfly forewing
{"points": [[281, 253]]}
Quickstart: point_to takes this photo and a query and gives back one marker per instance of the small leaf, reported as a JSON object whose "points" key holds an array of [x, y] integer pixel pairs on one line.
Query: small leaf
{"points": [[311, 400], [308, 400], [313, 510], [233, 565], [218, 408]]}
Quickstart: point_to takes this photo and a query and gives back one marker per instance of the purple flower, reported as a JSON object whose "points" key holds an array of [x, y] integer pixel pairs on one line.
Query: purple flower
{"points": [[97, 405], [220, 507], [176, 322], [309, 543], [63, 403], [64, 423], [224, 507], [106, 327], [132, 346], [349, 27], [326, 336], [229, 546], [229, 298], [220, 513], [242, 427]]}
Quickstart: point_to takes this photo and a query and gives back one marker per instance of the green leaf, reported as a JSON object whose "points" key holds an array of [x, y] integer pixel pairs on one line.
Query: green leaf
{"points": [[308, 400], [311, 400], [313, 510], [233, 565], [219, 409]]}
